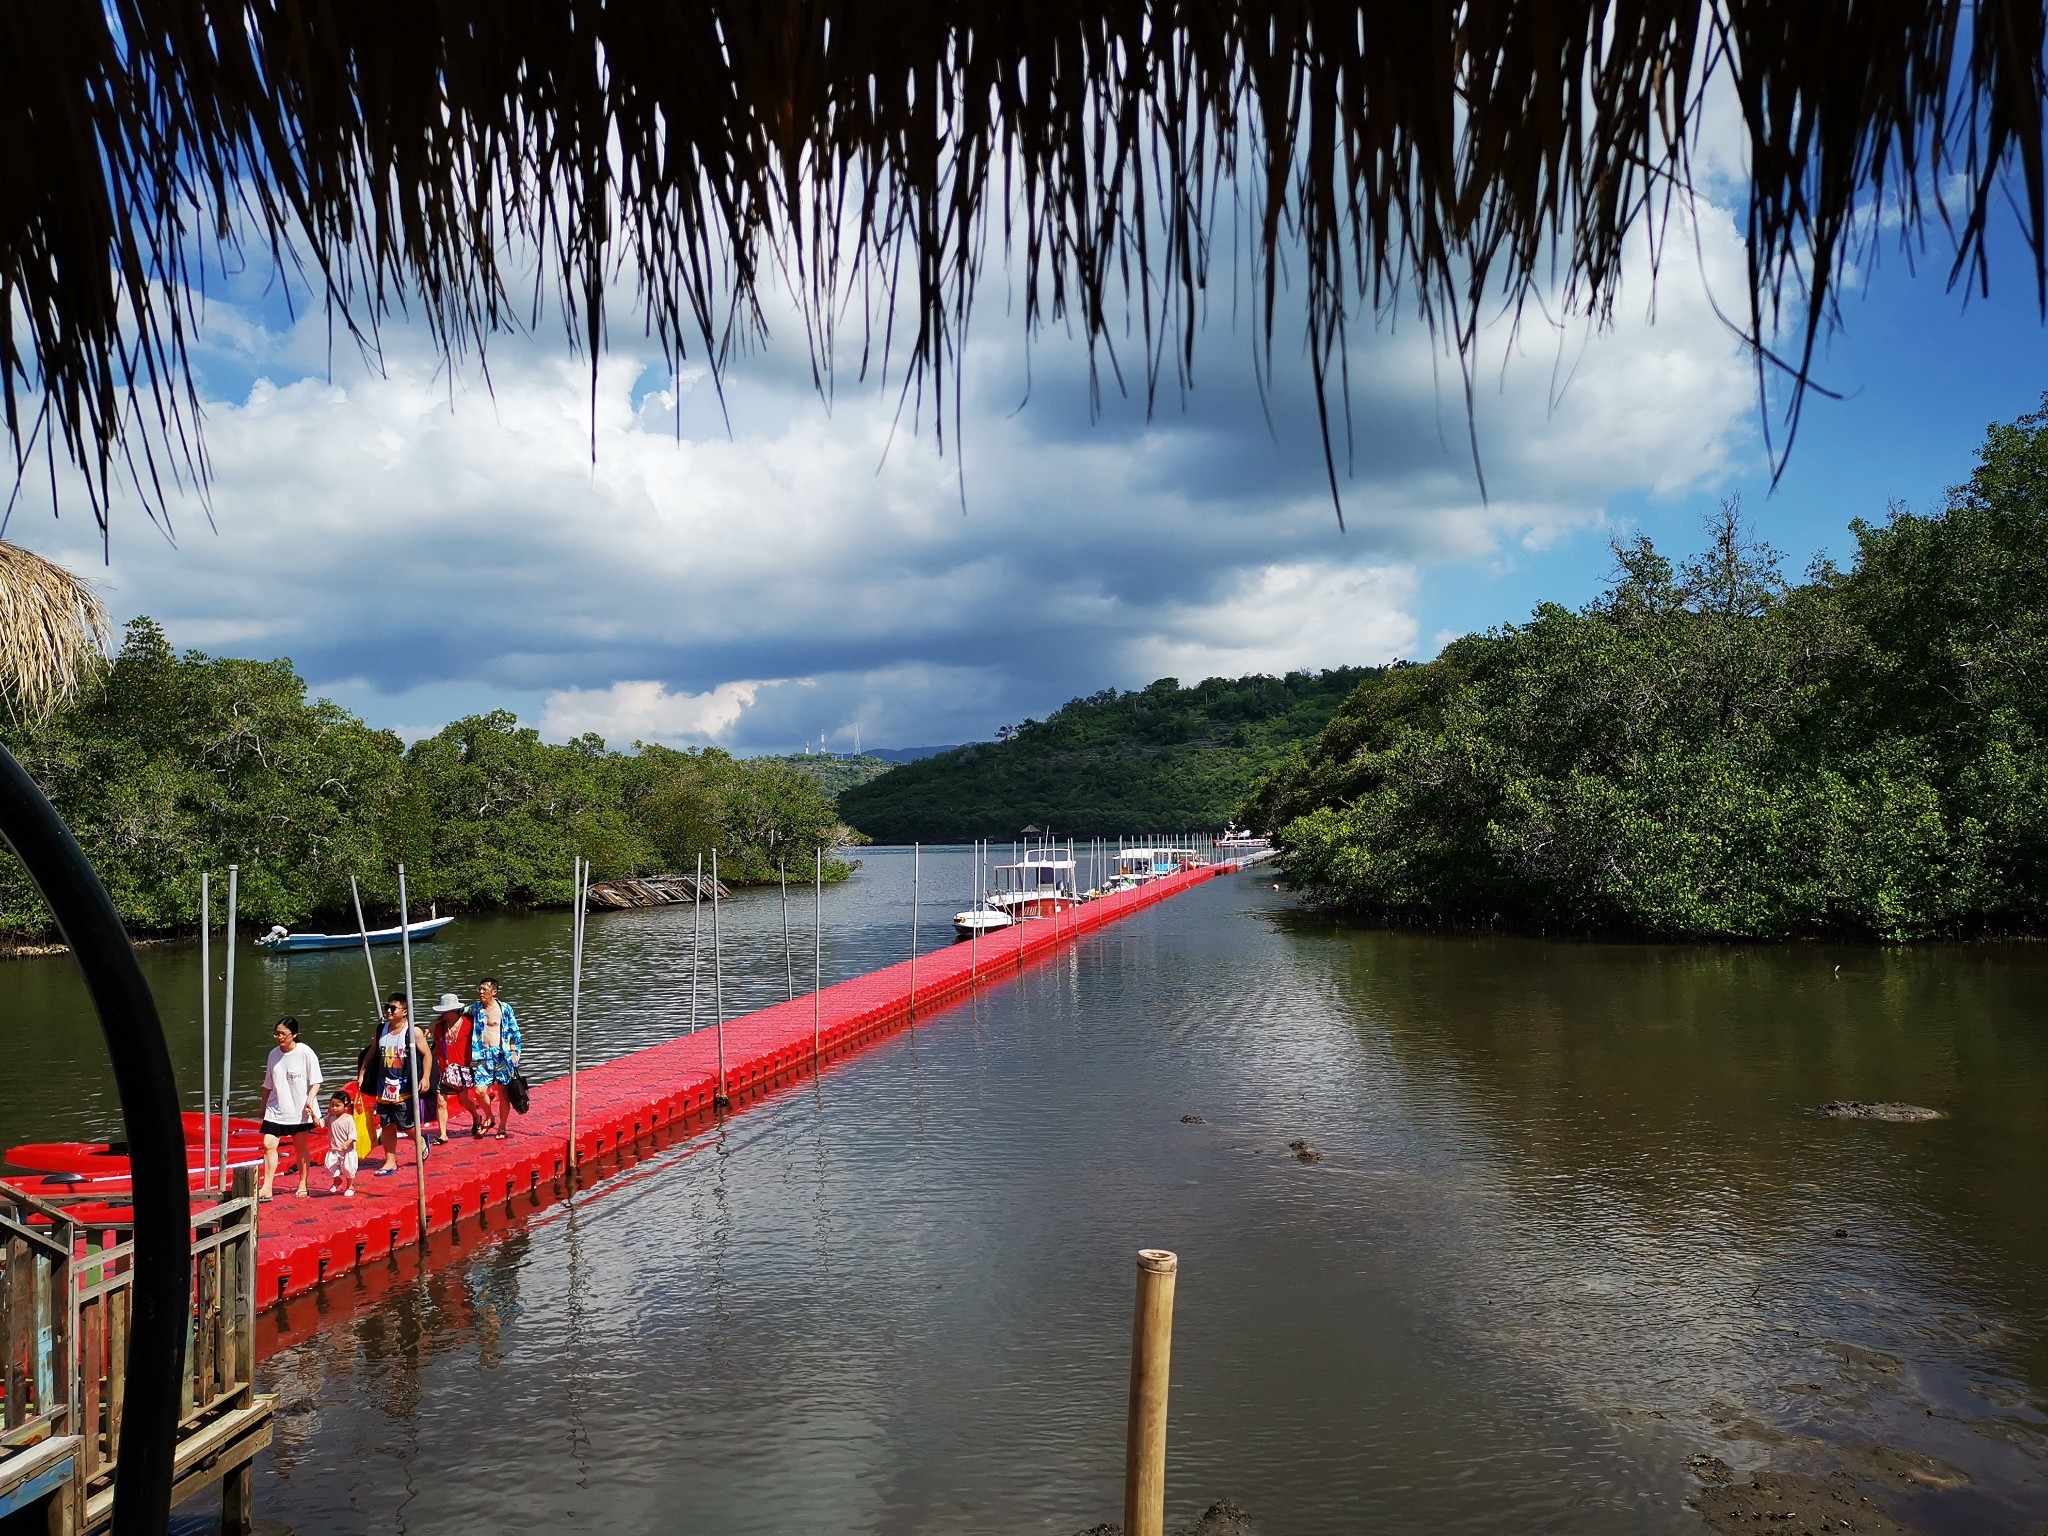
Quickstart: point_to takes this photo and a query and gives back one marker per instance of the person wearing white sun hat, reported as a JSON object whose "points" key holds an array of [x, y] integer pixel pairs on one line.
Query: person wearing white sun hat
{"points": [[453, 1071]]}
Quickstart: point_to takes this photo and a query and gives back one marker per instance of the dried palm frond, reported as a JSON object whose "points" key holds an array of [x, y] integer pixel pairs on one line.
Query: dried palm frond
{"points": [[53, 632], [1454, 151]]}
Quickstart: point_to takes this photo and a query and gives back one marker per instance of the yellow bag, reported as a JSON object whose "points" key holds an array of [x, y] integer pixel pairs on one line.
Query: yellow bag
{"points": [[364, 1140]]}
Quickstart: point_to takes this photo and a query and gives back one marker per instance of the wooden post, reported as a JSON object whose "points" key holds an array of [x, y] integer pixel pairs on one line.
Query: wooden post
{"points": [[1145, 1438]]}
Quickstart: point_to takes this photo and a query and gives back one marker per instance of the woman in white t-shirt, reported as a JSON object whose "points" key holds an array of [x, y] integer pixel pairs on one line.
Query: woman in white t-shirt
{"points": [[291, 1096]]}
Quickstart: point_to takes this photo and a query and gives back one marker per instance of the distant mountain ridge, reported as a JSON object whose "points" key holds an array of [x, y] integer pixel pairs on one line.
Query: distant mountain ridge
{"points": [[1160, 758]]}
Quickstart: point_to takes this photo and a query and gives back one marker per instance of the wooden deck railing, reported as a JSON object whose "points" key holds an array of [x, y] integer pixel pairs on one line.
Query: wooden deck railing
{"points": [[38, 1318], [220, 1354], [66, 1298]]}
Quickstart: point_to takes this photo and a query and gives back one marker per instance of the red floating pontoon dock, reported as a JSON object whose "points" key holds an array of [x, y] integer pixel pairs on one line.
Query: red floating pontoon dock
{"points": [[649, 1093]]}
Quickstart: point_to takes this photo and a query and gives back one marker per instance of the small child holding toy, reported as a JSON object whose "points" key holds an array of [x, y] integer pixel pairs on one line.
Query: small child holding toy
{"points": [[341, 1144]]}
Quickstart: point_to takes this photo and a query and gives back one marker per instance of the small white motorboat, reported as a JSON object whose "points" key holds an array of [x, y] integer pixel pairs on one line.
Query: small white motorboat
{"points": [[976, 921]]}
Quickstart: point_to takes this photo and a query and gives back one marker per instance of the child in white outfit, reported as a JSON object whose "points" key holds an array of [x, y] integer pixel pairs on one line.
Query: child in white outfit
{"points": [[341, 1145]]}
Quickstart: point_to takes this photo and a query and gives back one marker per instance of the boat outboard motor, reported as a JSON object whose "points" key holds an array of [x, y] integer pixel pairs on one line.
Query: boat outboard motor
{"points": [[85, 915]]}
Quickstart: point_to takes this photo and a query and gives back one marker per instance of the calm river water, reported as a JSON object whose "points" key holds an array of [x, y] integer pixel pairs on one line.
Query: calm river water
{"points": [[1573, 1224]]}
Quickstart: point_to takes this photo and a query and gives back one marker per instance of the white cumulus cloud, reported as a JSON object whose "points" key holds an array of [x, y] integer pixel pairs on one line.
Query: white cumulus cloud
{"points": [[648, 711]]}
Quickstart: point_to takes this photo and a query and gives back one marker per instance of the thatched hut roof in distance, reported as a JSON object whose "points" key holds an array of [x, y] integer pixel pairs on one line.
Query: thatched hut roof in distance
{"points": [[1453, 150]]}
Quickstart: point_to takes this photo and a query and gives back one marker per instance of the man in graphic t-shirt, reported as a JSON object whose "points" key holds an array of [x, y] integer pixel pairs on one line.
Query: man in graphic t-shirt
{"points": [[392, 1070]]}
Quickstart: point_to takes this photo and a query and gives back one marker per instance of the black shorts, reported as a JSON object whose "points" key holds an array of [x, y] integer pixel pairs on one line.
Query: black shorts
{"points": [[399, 1114], [272, 1128]]}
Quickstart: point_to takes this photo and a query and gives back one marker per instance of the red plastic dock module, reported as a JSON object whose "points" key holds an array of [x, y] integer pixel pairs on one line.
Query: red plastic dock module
{"points": [[624, 1102]]}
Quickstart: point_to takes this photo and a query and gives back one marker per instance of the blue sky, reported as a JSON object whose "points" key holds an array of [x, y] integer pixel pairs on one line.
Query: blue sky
{"points": [[424, 547], [1922, 371]]}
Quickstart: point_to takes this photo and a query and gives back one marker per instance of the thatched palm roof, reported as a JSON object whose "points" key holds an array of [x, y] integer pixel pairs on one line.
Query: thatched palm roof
{"points": [[52, 632], [1456, 151]]}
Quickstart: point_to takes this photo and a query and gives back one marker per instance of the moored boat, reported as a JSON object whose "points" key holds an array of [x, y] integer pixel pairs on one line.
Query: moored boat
{"points": [[980, 921], [1037, 885], [281, 939]]}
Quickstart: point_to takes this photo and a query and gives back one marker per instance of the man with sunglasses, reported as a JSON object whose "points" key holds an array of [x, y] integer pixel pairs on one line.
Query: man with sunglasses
{"points": [[391, 1075]]}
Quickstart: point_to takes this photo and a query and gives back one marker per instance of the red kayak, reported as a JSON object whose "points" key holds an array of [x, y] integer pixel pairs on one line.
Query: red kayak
{"points": [[100, 1165]]}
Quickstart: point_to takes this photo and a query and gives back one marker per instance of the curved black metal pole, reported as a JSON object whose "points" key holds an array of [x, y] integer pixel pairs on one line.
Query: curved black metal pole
{"points": [[156, 1144]]}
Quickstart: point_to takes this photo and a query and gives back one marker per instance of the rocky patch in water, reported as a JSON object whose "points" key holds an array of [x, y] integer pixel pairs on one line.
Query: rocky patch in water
{"points": [[1856, 1109], [1796, 1502], [1222, 1518]]}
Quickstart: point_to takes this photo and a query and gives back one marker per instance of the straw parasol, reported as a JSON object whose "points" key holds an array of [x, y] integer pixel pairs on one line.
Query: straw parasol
{"points": [[53, 631], [1451, 154]]}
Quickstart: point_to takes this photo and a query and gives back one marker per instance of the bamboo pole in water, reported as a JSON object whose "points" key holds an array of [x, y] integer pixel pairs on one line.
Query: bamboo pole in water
{"points": [[419, 1120], [205, 1025], [376, 999], [696, 918], [817, 950], [1145, 1433], [719, 1100], [227, 1043], [916, 887], [579, 885], [788, 965]]}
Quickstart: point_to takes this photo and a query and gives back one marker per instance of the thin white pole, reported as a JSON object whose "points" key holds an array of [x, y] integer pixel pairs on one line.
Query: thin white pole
{"points": [[205, 1026], [788, 964], [817, 950], [696, 919], [718, 982], [974, 925], [916, 890], [376, 1000], [579, 884], [419, 1123], [227, 1043], [376, 997]]}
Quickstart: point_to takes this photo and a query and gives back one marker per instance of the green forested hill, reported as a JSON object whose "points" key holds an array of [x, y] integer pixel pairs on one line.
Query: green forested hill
{"points": [[1711, 751], [1161, 758]]}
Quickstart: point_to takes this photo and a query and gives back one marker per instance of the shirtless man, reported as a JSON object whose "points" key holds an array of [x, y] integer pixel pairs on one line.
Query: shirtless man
{"points": [[494, 1051]]}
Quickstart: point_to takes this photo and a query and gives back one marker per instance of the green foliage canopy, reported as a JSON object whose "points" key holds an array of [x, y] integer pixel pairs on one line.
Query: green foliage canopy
{"points": [[1159, 758], [1712, 751], [169, 764]]}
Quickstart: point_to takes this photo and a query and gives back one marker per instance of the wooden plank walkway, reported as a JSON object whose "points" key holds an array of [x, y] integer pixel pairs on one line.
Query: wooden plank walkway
{"points": [[650, 1093]]}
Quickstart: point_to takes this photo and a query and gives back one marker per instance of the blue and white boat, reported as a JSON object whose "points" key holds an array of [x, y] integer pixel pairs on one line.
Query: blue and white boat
{"points": [[281, 940]]}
